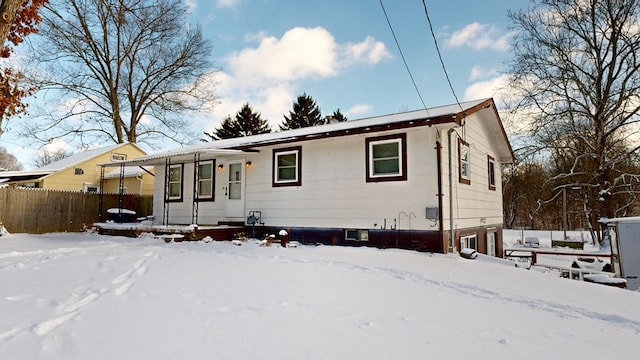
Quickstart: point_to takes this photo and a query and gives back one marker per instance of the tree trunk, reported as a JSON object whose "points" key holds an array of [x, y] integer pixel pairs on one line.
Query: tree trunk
{"points": [[8, 11]]}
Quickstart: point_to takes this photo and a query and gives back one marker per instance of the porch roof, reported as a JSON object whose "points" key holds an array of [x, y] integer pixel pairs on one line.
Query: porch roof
{"points": [[186, 155]]}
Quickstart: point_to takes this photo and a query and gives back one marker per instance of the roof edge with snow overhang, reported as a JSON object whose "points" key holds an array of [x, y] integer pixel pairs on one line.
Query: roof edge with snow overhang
{"points": [[448, 115]]}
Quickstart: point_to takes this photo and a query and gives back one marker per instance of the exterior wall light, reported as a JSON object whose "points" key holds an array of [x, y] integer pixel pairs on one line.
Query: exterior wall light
{"points": [[220, 167], [248, 164]]}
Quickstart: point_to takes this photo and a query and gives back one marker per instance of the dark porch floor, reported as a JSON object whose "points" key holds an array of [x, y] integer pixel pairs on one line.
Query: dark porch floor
{"points": [[188, 232]]}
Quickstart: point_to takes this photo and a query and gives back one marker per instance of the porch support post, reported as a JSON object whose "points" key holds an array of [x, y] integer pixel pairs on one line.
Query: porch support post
{"points": [[165, 203], [100, 194], [194, 205], [121, 191]]}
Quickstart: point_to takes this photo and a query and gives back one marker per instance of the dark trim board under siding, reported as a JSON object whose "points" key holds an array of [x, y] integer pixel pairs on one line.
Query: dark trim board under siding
{"points": [[420, 240]]}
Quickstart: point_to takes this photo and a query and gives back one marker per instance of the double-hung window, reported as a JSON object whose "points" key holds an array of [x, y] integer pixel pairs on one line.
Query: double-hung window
{"points": [[287, 166], [464, 162], [386, 158], [204, 186], [174, 182]]}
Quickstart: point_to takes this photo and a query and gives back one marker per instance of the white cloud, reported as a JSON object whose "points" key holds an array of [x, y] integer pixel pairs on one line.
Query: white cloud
{"points": [[478, 72], [480, 36], [266, 75], [55, 146], [494, 87], [300, 53], [191, 5], [368, 51]]}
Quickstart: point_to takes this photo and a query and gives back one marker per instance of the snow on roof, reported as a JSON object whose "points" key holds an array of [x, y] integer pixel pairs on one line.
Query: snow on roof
{"points": [[129, 171], [27, 173], [79, 158], [231, 146], [70, 161]]}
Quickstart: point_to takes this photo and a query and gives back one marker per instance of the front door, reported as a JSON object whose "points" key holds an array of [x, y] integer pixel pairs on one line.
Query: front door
{"points": [[235, 189]]}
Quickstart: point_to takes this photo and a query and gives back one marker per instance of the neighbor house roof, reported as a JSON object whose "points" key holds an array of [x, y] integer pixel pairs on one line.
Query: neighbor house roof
{"points": [[448, 115], [63, 164]]}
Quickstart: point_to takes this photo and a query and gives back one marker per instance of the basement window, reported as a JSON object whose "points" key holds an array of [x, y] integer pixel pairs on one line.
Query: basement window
{"points": [[469, 242]]}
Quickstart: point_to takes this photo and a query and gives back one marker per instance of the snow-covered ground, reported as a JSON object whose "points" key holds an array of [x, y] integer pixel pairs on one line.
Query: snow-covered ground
{"points": [[86, 296]]}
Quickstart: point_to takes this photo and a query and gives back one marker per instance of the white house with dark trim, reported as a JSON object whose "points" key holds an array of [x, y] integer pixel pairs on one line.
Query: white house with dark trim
{"points": [[414, 180]]}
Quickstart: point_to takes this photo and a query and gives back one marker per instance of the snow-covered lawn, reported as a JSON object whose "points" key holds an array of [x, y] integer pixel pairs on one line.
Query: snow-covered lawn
{"points": [[86, 296]]}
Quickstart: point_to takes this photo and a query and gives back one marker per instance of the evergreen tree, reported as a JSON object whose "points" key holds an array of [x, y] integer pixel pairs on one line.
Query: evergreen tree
{"points": [[245, 123], [337, 116], [305, 113]]}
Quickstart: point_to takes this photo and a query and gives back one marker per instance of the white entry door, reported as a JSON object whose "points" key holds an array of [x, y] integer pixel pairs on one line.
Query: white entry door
{"points": [[491, 243], [235, 189]]}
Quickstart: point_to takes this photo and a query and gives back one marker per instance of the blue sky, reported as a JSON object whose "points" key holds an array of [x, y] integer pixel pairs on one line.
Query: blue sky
{"points": [[343, 54]]}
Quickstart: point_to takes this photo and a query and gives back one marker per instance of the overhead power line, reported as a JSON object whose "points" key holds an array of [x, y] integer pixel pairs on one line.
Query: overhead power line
{"points": [[444, 68], [402, 55]]}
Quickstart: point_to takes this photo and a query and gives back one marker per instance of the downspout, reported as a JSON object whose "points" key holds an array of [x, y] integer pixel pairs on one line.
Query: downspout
{"points": [[452, 247], [139, 178], [439, 166]]}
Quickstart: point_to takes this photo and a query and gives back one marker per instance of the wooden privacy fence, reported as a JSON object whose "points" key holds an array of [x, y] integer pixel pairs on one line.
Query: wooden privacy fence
{"points": [[40, 211]]}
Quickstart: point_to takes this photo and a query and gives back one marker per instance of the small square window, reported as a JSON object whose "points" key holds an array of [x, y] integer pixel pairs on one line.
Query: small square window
{"points": [[491, 168], [78, 171], [287, 166], [464, 162], [386, 158], [118, 157]]}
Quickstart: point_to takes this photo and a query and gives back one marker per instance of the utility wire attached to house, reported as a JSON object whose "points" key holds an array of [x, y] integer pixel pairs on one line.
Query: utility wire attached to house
{"points": [[444, 68], [402, 55]]}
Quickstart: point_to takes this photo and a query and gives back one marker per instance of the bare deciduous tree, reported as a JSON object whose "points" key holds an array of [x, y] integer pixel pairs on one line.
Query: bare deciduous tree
{"points": [[48, 157], [125, 70], [8, 162], [576, 73]]}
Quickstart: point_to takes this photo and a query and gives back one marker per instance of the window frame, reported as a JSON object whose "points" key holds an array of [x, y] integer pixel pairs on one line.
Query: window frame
{"points": [[118, 157], [464, 177], [275, 182], [210, 197], [464, 240], [491, 172], [170, 198], [401, 140]]}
